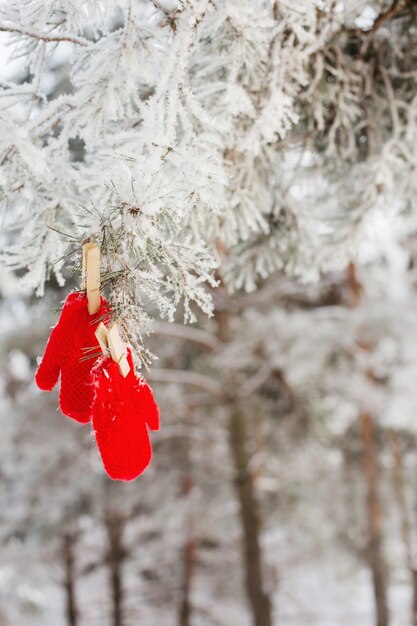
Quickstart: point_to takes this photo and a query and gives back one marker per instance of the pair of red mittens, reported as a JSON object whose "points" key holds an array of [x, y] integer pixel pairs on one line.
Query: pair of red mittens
{"points": [[92, 389], [123, 409], [68, 347]]}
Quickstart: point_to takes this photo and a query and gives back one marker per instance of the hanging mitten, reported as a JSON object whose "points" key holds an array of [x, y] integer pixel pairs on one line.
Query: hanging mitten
{"points": [[71, 341], [122, 411]]}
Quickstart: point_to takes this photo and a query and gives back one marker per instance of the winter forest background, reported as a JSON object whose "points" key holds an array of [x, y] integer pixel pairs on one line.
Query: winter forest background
{"points": [[248, 168]]}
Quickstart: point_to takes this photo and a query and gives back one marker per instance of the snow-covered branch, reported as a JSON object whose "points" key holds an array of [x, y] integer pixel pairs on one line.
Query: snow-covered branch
{"points": [[190, 137], [48, 38]]}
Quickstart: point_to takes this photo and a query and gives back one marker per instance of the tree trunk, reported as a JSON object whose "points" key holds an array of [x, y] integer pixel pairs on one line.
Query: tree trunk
{"points": [[185, 606], [185, 609], [116, 555], [406, 532], [375, 555], [350, 511], [71, 612], [259, 600], [414, 604]]}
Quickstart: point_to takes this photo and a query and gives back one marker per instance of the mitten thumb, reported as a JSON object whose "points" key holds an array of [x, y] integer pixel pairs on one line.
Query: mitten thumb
{"points": [[47, 374], [148, 406]]}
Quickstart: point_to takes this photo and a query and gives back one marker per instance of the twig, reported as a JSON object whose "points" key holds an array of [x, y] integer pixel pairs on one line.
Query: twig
{"points": [[255, 382], [395, 8], [79, 41], [195, 335], [159, 7], [188, 378], [392, 101]]}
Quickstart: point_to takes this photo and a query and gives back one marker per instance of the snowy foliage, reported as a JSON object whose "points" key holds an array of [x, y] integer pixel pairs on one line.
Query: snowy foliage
{"points": [[186, 133]]}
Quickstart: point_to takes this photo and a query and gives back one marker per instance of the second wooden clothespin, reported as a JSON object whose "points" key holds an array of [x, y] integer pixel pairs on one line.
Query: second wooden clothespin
{"points": [[118, 350], [110, 341], [101, 335], [91, 276]]}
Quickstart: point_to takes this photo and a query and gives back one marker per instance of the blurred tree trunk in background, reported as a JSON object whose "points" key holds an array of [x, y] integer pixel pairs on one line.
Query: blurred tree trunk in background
{"points": [[71, 610], [374, 514], [401, 499], [188, 564], [115, 556], [258, 598], [188, 553], [351, 514]]}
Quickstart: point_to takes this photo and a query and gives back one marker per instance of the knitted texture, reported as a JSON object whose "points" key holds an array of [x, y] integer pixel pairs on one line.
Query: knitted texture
{"points": [[122, 411], [71, 340]]}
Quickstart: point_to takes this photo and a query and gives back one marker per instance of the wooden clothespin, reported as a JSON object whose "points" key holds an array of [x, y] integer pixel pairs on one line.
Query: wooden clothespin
{"points": [[102, 338], [91, 276], [118, 350], [110, 341]]}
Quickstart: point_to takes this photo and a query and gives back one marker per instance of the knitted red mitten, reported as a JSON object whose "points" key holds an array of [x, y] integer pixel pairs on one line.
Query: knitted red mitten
{"points": [[73, 332], [122, 411]]}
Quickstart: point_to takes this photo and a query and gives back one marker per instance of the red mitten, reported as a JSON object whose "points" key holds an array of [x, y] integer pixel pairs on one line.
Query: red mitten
{"points": [[64, 351], [122, 411]]}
